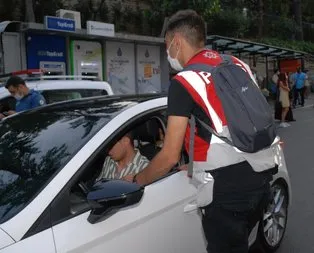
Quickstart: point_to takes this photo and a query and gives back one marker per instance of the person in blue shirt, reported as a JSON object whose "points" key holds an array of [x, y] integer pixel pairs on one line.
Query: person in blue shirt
{"points": [[299, 79], [26, 98]]}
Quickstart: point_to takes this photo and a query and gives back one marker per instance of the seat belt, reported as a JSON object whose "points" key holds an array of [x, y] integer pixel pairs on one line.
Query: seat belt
{"points": [[191, 145]]}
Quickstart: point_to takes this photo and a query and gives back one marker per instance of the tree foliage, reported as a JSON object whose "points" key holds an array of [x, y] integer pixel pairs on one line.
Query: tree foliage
{"points": [[237, 18]]}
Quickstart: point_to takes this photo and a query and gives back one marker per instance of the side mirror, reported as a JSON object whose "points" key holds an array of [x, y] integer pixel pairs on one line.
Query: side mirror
{"points": [[107, 197]]}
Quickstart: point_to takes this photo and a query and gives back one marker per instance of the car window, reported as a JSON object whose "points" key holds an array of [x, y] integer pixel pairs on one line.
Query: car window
{"points": [[35, 146], [93, 92], [53, 96], [148, 142]]}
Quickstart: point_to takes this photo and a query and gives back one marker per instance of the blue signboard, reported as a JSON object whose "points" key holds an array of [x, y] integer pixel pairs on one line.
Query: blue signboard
{"points": [[59, 24], [44, 48]]}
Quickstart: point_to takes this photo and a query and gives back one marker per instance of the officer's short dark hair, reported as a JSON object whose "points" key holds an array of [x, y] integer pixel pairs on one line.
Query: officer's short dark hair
{"points": [[190, 25], [14, 81]]}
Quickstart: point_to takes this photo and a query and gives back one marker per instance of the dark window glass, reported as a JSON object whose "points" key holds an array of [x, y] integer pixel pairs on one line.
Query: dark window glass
{"points": [[53, 96], [34, 146]]}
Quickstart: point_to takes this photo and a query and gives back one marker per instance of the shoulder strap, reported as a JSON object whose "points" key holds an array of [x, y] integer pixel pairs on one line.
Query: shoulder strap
{"points": [[207, 68], [192, 123], [226, 58], [191, 146], [212, 131], [200, 67]]}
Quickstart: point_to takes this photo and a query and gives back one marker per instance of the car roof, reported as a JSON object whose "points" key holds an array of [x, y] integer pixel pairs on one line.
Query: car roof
{"points": [[94, 103], [43, 85]]}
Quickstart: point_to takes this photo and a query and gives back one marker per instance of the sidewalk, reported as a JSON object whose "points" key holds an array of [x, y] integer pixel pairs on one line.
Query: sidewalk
{"points": [[309, 102]]}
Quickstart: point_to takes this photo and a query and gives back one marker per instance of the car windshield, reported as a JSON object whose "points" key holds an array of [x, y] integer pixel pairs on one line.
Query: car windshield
{"points": [[35, 146]]}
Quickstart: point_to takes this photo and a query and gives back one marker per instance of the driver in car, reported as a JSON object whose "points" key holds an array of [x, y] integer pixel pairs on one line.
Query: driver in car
{"points": [[123, 159]]}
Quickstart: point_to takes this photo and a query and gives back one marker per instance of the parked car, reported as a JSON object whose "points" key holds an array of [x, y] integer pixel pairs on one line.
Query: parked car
{"points": [[57, 89], [50, 202]]}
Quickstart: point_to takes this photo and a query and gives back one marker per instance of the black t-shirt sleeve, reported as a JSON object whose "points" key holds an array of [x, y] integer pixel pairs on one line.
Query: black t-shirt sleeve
{"points": [[180, 102]]}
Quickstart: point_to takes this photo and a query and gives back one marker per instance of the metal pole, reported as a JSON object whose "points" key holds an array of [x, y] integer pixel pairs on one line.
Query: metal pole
{"points": [[137, 89], [214, 46], [302, 64], [267, 81]]}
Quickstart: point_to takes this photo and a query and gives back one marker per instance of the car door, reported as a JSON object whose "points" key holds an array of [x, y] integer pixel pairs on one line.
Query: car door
{"points": [[165, 220], [38, 243], [157, 224]]}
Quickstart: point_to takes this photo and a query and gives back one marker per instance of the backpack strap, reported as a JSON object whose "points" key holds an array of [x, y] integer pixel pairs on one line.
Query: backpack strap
{"points": [[212, 131], [200, 67], [226, 58], [209, 69], [192, 123], [191, 146]]}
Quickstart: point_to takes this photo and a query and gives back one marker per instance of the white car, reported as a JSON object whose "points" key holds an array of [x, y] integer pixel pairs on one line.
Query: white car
{"points": [[49, 201], [58, 90]]}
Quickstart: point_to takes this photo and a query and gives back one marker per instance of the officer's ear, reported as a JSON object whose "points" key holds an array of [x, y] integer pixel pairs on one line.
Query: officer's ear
{"points": [[177, 41]]}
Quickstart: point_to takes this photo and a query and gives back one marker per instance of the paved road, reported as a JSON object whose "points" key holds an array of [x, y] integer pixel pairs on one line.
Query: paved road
{"points": [[299, 152]]}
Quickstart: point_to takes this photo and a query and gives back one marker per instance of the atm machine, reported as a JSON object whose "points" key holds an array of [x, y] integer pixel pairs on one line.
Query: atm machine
{"points": [[86, 59], [53, 68]]}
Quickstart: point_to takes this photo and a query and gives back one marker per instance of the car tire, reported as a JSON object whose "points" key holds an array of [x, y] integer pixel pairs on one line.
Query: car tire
{"points": [[272, 226]]}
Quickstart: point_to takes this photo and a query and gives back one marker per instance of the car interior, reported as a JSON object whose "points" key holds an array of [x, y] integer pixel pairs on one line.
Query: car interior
{"points": [[59, 96], [147, 139], [147, 136]]}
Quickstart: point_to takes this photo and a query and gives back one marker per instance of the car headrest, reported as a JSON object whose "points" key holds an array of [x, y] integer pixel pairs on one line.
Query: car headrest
{"points": [[148, 131]]}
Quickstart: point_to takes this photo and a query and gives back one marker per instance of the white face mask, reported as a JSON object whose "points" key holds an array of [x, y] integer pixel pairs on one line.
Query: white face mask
{"points": [[174, 63], [18, 97]]}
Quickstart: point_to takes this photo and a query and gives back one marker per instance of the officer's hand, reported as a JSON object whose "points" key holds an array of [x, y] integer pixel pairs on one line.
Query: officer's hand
{"points": [[129, 178], [183, 167], [2, 116]]}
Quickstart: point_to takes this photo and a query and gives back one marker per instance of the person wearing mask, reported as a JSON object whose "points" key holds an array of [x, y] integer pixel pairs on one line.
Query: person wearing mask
{"points": [[299, 86], [26, 98], [238, 195]]}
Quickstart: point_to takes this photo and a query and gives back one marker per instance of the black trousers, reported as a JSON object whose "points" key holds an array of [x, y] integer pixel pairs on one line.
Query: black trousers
{"points": [[227, 229], [296, 96]]}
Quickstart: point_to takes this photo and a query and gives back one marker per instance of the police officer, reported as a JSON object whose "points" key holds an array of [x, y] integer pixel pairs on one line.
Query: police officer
{"points": [[235, 195], [26, 98]]}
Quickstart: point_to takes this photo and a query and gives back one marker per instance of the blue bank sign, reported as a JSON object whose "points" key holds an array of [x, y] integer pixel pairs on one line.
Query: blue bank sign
{"points": [[44, 48], [59, 24]]}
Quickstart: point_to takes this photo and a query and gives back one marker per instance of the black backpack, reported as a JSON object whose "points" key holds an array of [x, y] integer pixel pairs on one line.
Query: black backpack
{"points": [[248, 114]]}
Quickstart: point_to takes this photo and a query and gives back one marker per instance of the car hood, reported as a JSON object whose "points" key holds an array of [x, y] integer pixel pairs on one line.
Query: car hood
{"points": [[5, 239]]}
